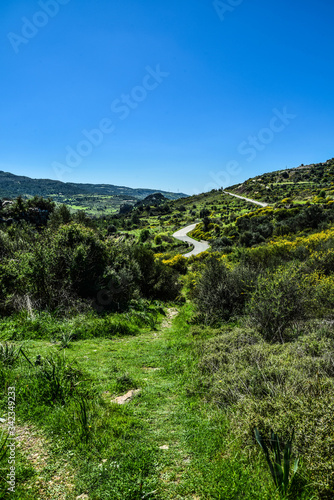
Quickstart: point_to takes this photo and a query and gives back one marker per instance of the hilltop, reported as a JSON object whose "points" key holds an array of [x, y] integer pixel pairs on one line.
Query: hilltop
{"points": [[155, 199]]}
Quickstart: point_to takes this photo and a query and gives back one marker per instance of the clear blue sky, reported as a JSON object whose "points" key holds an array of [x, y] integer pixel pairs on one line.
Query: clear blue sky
{"points": [[178, 89]]}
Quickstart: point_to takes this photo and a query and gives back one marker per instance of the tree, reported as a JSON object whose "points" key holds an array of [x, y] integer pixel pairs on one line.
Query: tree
{"points": [[61, 215], [144, 235], [206, 224]]}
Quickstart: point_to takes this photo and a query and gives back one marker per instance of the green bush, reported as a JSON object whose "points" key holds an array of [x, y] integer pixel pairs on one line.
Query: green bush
{"points": [[221, 292], [57, 269], [61, 215], [322, 261], [144, 235], [157, 280], [280, 386], [179, 263], [77, 257], [119, 286], [278, 302], [157, 239], [221, 244]]}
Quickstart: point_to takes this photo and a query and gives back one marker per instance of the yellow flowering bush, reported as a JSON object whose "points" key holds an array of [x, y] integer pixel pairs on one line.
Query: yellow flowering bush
{"points": [[199, 234], [283, 249], [179, 263]]}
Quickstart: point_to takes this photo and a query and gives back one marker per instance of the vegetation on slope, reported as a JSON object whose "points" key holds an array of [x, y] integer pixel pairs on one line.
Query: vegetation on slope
{"points": [[300, 183], [93, 198], [86, 316]]}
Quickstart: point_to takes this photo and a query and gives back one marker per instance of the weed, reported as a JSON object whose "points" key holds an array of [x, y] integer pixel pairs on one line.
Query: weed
{"points": [[56, 379], [9, 354], [125, 382], [281, 471], [82, 416], [66, 340]]}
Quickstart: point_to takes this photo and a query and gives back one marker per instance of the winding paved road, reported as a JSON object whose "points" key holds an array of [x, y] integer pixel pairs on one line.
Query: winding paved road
{"points": [[199, 246]]}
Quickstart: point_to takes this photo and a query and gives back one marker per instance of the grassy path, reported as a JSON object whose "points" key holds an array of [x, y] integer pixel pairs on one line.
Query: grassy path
{"points": [[192, 461], [149, 362], [167, 443]]}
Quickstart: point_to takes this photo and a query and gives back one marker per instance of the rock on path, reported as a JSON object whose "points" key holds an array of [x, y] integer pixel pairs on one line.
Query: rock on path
{"points": [[121, 400]]}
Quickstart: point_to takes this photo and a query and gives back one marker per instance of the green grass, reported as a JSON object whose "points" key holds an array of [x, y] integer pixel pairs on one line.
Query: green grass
{"points": [[115, 451], [188, 433]]}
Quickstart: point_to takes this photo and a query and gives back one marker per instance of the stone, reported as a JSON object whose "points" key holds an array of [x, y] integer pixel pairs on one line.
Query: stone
{"points": [[121, 400]]}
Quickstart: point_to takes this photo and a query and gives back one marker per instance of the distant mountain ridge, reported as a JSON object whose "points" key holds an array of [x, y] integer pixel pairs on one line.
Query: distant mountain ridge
{"points": [[12, 185]]}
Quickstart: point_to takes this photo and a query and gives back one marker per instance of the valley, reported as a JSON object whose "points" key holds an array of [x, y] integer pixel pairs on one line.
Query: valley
{"points": [[143, 369]]}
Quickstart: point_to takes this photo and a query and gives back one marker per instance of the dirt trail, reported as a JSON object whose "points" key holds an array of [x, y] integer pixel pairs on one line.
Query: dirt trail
{"points": [[171, 313]]}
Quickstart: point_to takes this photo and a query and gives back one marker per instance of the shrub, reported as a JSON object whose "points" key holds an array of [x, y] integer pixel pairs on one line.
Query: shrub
{"points": [[278, 302], [200, 257], [157, 239], [144, 235], [249, 238], [156, 281], [322, 261], [76, 258], [280, 386], [221, 244], [60, 215], [179, 263], [165, 283], [112, 229], [221, 292], [204, 213]]}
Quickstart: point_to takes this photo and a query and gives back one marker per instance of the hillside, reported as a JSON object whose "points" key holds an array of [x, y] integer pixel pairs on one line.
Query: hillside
{"points": [[300, 199], [141, 373], [300, 183], [93, 198]]}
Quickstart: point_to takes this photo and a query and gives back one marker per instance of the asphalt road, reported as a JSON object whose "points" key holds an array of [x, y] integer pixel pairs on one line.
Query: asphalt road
{"points": [[247, 199], [199, 246]]}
